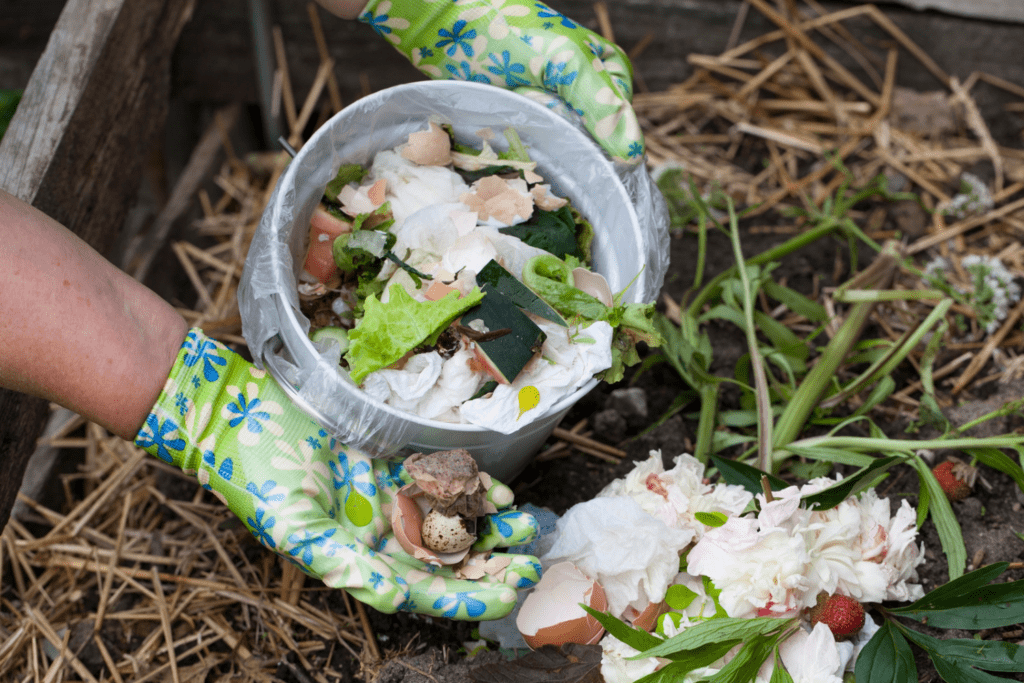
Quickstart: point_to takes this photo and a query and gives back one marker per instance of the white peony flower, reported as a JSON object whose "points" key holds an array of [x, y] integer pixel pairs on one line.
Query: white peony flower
{"points": [[676, 495], [616, 665], [759, 572], [812, 657]]}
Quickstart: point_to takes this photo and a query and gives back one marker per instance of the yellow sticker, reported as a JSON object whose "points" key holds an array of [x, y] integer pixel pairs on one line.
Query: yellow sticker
{"points": [[529, 397]]}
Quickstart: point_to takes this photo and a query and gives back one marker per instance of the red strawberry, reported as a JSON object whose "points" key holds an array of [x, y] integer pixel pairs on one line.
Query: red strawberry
{"points": [[842, 614], [956, 478]]}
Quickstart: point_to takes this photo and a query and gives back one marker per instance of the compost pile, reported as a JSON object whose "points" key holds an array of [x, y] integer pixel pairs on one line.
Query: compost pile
{"points": [[849, 187]]}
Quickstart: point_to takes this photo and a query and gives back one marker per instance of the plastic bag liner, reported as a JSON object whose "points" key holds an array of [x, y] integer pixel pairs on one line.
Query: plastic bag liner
{"points": [[628, 213]]}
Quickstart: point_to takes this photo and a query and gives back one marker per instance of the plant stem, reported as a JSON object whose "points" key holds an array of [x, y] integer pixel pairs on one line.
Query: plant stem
{"points": [[793, 419], [862, 444], [764, 405]]}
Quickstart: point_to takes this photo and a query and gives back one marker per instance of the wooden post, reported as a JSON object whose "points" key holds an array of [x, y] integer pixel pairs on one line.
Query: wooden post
{"points": [[76, 147]]}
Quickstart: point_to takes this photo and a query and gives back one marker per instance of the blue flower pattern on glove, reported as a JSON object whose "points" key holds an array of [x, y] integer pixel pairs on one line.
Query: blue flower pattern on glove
{"points": [[303, 544], [451, 604], [154, 435], [206, 352], [200, 427], [346, 477], [453, 39]]}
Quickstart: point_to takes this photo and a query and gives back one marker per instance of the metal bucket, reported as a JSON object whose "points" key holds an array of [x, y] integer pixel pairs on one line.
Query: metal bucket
{"points": [[631, 238]]}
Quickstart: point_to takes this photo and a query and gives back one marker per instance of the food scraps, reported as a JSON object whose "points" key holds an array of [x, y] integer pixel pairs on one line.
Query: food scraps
{"points": [[455, 281], [435, 516]]}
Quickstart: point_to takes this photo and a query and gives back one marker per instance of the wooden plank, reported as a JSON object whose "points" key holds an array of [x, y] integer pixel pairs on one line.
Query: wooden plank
{"points": [[76, 147], [215, 57], [997, 10]]}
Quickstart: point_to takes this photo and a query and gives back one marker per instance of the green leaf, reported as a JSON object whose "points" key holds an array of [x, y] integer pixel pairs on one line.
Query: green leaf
{"points": [[715, 631], [712, 519], [679, 597], [552, 231], [950, 593], [795, 301], [954, 672], [991, 655], [879, 393], [971, 602], [636, 638], [836, 455], [945, 521], [743, 667], [389, 331], [998, 460], [887, 658], [684, 663], [850, 486], [747, 476], [779, 673], [347, 173]]}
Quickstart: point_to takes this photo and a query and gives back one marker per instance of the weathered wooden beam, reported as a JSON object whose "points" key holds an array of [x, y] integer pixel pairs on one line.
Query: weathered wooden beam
{"points": [[214, 59], [76, 147]]}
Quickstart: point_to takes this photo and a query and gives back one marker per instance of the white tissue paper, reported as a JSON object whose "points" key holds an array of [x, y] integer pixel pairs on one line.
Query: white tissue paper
{"points": [[560, 369], [630, 553]]}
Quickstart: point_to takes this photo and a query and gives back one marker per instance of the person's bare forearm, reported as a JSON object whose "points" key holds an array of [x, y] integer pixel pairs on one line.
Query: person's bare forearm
{"points": [[346, 9], [76, 330]]}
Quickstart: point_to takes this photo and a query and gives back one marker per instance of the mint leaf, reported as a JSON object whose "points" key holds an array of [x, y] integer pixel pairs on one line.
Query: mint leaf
{"points": [[779, 673], [718, 630], [636, 638]]}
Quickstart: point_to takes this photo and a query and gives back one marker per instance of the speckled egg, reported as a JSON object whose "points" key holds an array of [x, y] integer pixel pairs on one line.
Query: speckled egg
{"points": [[446, 534]]}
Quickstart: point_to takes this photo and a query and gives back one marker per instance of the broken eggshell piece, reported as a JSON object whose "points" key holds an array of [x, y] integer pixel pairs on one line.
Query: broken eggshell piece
{"points": [[593, 284], [410, 508], [451, 482], [551, 613]]}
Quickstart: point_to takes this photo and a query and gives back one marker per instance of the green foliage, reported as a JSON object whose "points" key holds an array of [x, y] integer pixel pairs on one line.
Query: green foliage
{"points": [[552, 231], [971, 602]]}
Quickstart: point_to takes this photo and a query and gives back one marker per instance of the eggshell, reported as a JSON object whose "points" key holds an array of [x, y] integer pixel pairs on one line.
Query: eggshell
{"points": [[551, 613], [444, 534], [646, 618], [593, 284], [323, 228], [407, 520], [429, 147]]}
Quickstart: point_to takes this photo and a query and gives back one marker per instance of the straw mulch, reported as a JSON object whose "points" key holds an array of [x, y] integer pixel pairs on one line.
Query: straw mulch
{"points": [[141, 576]]}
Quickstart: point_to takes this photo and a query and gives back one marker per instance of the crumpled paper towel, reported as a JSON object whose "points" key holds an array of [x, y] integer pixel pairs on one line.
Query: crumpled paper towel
{"points": [[562, 368], [613, 541]]}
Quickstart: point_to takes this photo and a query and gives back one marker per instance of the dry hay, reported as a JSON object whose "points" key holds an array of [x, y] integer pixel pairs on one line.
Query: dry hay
{"points": [[144, 578]]}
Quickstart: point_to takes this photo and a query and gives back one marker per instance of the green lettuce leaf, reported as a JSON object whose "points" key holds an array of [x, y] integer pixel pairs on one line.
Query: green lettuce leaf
{"points": [[551, 279], [389, 331]]}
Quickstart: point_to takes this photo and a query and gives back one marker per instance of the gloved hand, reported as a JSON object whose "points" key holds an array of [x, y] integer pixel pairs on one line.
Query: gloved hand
{"points": [[309, 498], [519, 45]]}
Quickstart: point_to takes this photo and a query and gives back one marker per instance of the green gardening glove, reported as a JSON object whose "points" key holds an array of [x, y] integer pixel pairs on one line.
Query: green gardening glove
{"points": [[309, 498], [522, 46]]}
